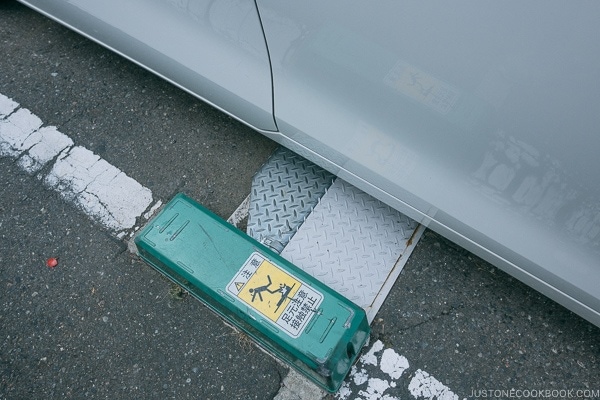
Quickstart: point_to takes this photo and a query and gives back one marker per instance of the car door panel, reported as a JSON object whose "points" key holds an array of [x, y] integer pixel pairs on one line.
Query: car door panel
{"points": [[214, 49], [477, 118]]}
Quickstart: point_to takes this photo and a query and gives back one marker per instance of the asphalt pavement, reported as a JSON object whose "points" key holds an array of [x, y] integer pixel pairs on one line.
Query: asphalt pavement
{"points": [[102, 324]]}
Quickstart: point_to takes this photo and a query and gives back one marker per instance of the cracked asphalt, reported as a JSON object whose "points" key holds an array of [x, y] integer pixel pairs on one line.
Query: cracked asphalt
{"points": [[104, 325]]}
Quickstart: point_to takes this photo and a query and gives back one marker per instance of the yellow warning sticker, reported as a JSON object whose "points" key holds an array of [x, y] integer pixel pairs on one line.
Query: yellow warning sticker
{"points": [[276, 294]]}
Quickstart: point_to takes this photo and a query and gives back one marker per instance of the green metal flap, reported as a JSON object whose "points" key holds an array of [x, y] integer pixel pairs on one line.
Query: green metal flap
{"points": [[284, 309]]}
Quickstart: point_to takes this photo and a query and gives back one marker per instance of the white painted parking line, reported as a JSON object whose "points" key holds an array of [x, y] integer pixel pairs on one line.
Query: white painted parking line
{"points": [[425, 386], [15, 130], [7, 105], [378, 372], [43, 145], [102, 191]]}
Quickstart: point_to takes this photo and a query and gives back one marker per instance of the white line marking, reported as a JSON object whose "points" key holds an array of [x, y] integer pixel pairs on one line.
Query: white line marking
{"points": [[7, 105], [15, 130], [370, 358], [102, 191], [393, 364], [367, 378], [426, 386], [43, 145], [151, 212], [359, 377], [376, 389]]}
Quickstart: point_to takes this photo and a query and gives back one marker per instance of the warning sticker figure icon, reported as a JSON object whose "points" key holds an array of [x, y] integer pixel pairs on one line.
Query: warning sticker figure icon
{"points": [[260, 289], [284, 305]]}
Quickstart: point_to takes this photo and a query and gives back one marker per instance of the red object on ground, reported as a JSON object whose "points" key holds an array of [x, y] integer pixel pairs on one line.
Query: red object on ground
{"points": [[52, 262]]}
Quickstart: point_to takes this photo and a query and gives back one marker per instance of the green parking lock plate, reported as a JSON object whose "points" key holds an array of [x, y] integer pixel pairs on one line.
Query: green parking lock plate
{"points": [[296, 317]]}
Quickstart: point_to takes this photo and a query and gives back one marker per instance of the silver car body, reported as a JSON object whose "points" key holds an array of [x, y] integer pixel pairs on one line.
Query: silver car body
{"points": [[479, 119]]}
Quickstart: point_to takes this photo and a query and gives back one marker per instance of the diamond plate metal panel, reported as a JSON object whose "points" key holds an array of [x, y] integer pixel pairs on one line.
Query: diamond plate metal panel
{"points": [[355, 244], [284, 191]]}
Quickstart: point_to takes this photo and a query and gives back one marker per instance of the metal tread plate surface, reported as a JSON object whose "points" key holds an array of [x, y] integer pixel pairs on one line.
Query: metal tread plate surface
{"points": [[355, 244], [284, 191]]}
